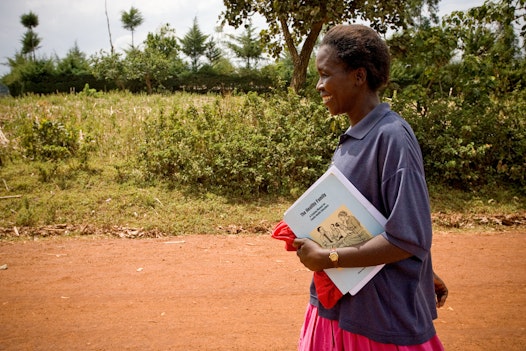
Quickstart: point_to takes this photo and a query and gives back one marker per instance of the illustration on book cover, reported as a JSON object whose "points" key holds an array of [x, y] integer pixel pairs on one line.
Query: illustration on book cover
{"points": [[340, 229]]}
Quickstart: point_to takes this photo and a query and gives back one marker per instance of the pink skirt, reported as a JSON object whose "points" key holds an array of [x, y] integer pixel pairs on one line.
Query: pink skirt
{"points": [[321, 334]]}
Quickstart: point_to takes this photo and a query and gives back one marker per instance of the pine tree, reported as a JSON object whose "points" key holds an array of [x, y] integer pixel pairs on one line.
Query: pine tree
{"points": [[194, 45], [212, 53], [30, 40], [246, 46]]}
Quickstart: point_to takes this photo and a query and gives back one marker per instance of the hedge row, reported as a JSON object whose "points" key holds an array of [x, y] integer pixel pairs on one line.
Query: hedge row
{"points": [[198, 82]]}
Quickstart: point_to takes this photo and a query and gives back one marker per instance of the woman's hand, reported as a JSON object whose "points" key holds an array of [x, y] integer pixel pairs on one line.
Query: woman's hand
{"points": [[312, 255], [440, 290]]}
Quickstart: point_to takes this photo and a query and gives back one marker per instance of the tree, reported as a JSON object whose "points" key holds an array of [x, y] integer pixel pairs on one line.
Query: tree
{"points": [[109, 67], [108, 24], [158, 61], [194, 44], [213, 52], [29, 20], [246, 46], [421, 55], [75, 62], [299, 23], [131, 20], [30, 40], [475, 52], [491, 58], [489, 29]]}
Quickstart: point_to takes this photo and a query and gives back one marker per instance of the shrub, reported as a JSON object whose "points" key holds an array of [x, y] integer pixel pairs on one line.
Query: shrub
{"points": [[468, 144], [275, 144], [49, 140]]}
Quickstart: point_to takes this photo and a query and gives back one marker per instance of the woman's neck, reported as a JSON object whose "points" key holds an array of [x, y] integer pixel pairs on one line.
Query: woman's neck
{"points": [[367, 105]]}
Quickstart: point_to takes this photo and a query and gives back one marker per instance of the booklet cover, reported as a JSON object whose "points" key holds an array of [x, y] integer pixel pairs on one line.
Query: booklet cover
{"points": [[334, 213]]}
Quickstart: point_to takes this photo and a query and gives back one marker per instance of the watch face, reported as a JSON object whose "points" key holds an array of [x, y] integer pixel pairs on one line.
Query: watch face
{"points": [[333, 256]]}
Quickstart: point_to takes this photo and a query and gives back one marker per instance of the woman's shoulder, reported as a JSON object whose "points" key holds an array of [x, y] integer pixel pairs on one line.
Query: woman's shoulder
{"points": [[394, 127], [398, 140]]}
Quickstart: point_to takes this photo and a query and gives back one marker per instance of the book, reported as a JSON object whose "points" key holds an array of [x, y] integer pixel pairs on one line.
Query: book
{"points": [[335, 214]]}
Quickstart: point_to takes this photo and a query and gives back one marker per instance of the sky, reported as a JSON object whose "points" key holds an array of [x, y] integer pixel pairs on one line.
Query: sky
{"points": [[62, 23]]}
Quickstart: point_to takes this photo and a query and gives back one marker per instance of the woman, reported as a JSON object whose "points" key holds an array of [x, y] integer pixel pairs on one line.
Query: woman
{"points": [[380, 155]]}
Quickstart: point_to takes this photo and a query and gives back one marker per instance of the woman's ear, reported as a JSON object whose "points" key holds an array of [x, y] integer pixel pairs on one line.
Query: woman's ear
{"points": [[360, 75]]}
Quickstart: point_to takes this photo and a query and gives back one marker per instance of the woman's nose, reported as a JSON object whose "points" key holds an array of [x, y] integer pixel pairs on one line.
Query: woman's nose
{"points": [[319, 85]]}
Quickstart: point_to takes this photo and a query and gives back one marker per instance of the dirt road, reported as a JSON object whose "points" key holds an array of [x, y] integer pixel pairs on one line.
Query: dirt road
{"points": [[237, 292]]}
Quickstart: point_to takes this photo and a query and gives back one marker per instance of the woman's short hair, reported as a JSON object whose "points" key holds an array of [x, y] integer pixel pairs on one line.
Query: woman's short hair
{"points": [[360, 46]]}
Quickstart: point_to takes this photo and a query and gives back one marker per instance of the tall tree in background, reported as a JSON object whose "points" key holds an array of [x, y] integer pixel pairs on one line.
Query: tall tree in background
{"points": [[489, 37], [194, 44], [490, 29], [158, 61], [421, 55], [30, 40], [246, 46], [213, 52], [108, 23], [298, 23], [131, 20], [75, 62]]}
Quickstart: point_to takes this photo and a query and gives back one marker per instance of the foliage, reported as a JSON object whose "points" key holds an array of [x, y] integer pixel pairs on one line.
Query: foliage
{"points": [[246, 46], [152, 66], [461, 84], [25, 73], [48, 140], [194, 45], [467, 145], [131, 20], [298, 24], [157, 63], [30, 43], [421, 57], [109, 67], [75, 63], [213, 53], [29, 20], [263, 144], [491, 56], [48, 76], [472, 54], [30, 40]]}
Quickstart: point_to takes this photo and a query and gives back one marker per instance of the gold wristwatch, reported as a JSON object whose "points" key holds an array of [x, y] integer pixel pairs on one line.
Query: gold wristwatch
{"points": [[333, 256]]}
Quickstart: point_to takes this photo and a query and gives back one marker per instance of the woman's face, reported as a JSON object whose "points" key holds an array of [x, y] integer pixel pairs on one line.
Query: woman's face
{"points": [[336, 83]]}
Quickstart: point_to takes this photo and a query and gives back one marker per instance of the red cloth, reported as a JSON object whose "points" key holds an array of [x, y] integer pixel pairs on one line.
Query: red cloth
{"points": [[283, 232], [328, 293]]}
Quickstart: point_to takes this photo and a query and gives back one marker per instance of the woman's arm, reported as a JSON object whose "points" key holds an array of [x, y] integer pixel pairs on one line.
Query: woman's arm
{"points": [[370, 253]]}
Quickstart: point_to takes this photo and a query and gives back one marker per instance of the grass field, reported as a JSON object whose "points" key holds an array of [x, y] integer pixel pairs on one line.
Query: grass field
{"points": [[100, 187]]}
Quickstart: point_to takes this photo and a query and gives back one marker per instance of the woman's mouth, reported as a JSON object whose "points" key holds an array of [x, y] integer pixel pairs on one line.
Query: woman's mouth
{"points": [[326, 98]]}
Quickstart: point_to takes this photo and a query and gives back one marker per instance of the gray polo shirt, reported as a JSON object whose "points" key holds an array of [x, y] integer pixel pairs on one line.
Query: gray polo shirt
{"points": [[381, 157]]}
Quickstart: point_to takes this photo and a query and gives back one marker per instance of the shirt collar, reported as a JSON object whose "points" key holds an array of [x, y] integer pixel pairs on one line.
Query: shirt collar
{"points": [[360, 130]]}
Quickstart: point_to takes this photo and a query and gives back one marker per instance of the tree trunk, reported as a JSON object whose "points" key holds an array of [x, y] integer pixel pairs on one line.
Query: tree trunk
{"points": [[108, 22], [299, 74], [301, 59], [148, 82]]}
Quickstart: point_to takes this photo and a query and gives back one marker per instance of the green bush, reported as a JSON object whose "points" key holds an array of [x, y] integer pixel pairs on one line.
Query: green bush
{"points": [[49, 140], [275, 144], [468, 144]]}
